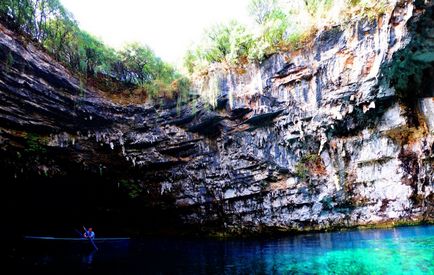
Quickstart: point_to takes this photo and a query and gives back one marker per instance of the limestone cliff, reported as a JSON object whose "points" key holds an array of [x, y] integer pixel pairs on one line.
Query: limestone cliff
{"points": [[337, 134]]}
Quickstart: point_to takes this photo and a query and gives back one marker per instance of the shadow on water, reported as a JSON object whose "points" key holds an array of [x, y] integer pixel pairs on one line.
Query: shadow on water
{"points": [[63, 257], [406, 250]]}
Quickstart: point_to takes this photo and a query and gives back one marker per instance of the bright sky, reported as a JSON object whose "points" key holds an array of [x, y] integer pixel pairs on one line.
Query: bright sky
{"points": [[167, 26]]}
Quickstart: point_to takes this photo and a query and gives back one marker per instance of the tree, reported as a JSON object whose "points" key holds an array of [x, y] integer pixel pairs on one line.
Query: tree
{"points": [[61, 41], [94, 51], [44, 11], [315, 6], [31, 16], [189, 61], [19, 13], [217, 44], [226, 42], [261, 9], [275, 28], [138, 61]]}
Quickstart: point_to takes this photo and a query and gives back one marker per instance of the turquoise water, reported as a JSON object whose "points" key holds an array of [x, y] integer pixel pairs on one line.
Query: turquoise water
{"points": [[397, 255], [406, 250]]}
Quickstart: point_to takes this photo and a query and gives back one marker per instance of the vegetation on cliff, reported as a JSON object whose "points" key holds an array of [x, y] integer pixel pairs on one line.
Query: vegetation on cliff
{"points": [[280, 25], [133, 68], [135, 72]]}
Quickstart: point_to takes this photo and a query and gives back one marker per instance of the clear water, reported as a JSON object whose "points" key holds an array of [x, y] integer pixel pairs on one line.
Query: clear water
{"points": [[406, 250]]}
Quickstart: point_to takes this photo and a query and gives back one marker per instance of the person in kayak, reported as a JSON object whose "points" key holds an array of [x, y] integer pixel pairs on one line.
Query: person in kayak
{"points": [[89, 233]]}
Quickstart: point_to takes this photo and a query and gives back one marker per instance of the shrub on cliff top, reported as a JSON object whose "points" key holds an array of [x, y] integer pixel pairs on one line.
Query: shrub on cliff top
{"points": [[280, 25]]}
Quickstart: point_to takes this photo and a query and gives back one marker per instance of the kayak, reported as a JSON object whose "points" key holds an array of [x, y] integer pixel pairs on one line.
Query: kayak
{"points": [[76, 239], [66, 245]]}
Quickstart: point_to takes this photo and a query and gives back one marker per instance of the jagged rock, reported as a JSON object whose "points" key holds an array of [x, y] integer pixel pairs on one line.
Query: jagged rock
{"points": [[263, 119]]}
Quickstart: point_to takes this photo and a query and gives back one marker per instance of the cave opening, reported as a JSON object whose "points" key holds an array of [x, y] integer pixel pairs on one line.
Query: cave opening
{"points": [[59, 206]]}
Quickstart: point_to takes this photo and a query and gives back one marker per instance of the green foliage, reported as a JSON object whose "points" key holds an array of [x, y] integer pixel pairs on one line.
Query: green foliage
{"points": [[79, 50], [139, 62], [308, 165], [236, 44], [218, 43], [241, 42], [133, 189], [222, 43], [353, 3], [35, 144], [49, 23], [141, 67], [229, 43], [301, 171], [93, 52], [370, 9], [316, 6], [281, 26], [276, 27], [273, 36], [32, 16], [189, 61], [181, 87], [260, 10]]}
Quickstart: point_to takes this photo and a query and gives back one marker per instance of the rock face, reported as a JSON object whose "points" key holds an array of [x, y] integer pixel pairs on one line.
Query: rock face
{"points": [[335, 135]]}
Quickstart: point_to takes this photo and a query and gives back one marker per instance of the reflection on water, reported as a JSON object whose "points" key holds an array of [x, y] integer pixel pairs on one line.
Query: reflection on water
{"points": [[407, 250], [88, 259]]}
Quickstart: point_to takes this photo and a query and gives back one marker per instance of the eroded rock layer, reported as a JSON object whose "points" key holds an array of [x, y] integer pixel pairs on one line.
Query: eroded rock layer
{"points": [[337, 134]]}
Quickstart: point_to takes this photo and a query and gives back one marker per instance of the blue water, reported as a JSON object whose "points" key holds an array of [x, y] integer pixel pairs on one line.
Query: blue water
{"points": [[405, 250]]}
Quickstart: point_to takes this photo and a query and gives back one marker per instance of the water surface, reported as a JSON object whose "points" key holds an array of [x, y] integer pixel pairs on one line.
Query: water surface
{"points": [[405, 250]]}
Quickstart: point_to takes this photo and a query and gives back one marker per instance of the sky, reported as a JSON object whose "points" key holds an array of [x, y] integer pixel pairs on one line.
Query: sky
{"points": [[169, 27]]}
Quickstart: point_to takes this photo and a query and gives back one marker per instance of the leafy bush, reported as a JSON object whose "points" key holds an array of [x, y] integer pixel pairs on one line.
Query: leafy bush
{"points": [[314, 7], [225, 43], [35, 144], [260, 10], [309, 165]]}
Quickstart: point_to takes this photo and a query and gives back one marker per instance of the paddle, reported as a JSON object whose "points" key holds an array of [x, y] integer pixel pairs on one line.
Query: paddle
{"points": [[79, 233], [90, 239]]}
